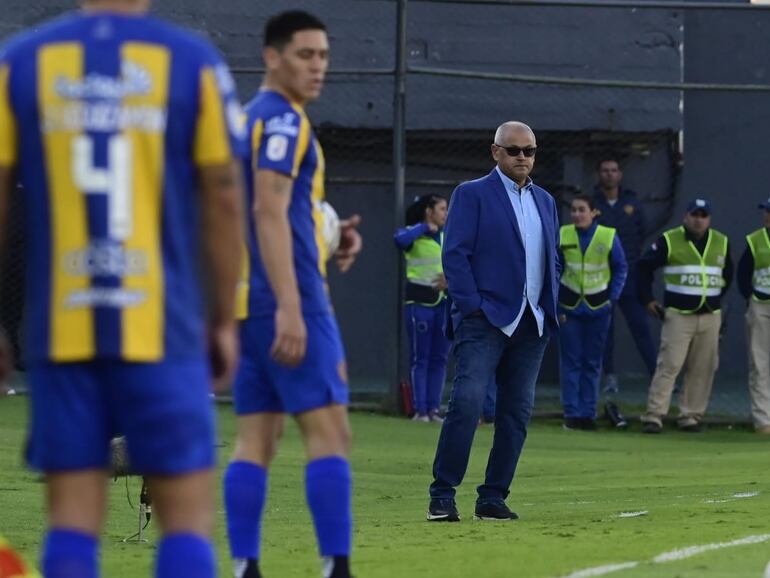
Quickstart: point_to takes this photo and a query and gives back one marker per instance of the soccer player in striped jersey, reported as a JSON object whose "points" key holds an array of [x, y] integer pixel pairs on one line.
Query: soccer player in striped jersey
{"points": [[126, 135], [292, 360]]}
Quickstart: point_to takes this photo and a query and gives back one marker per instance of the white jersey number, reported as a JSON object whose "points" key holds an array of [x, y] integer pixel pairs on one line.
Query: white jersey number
{"points": [[113, 181]]}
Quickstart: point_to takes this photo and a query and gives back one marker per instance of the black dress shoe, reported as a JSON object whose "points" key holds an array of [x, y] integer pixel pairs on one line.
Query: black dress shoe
{"points": [[572, 423], [494, 511], [588, 424], [650, 427], [691, 428], [443, 510]]}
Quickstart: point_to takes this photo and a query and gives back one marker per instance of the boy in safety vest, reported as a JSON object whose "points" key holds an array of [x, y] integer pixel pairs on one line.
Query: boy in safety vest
{"points": [[595, 270], [697, 271], [754, 284]]}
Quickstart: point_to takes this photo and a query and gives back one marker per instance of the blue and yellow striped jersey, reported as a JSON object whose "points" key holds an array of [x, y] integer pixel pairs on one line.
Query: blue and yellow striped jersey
{"points": [[106, 118], [282, 140]]}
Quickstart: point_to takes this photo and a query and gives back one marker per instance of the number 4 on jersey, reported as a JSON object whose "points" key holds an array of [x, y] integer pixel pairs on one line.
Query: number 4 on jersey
{"points": [[113, 180]]}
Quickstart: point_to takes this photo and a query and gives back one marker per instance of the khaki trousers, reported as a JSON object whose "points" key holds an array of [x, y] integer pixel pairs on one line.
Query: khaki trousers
{"points": [[691, 341], [758, 338]]}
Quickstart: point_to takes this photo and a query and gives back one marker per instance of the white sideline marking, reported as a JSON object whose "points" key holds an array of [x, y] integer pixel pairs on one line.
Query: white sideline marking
{"points": [[672, 556], [736, 496], [745, 495], [601, 570], [633, 514], [690, 551]]}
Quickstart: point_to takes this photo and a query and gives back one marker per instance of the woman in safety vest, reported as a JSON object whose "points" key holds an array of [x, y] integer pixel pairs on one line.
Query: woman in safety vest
{"points": [[425, 305], [592, 279]]}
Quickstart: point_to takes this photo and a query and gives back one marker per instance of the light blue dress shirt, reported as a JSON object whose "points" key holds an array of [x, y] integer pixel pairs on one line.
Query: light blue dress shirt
{"points": [[531, 228]]}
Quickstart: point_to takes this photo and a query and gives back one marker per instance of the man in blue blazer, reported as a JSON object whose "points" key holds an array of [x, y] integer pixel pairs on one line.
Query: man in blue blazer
{"points": [[502, 269]]}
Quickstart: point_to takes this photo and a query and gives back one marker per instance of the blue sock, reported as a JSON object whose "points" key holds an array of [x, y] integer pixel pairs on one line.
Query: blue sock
{"points": [[188, 555], [328, 489], [245, 490], [68, 553]]}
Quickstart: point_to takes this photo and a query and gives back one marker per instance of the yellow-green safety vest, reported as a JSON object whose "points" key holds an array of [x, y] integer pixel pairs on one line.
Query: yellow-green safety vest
{"points": [[423, 264], [586, 276], [690, 274], [759, 243]]}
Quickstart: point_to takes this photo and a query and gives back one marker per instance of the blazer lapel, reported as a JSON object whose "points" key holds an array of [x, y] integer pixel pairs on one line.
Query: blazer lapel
{"points": [[546, 219], [501, 194]]}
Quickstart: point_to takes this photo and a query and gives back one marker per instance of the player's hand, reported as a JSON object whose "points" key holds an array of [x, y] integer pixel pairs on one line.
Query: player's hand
{"points": [[440, 283], [350, 243], [223, 354], [655, 309], [6, 357], [290, 342]]}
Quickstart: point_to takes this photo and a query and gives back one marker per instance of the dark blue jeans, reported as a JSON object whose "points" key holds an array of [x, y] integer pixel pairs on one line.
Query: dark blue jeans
{"points": [[482, 353], [638, 321], [490, 401]]}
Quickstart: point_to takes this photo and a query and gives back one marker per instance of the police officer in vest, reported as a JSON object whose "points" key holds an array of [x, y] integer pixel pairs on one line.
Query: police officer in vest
{"points": [[754, 284], [697, 271], [426, 303], [592, 280]]}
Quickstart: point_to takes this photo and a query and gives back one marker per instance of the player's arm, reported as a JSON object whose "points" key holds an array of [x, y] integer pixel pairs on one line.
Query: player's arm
{"points": [[272, 197], [6, 187], [222, 214], [8, 158], [222, 203], [219, 145]]}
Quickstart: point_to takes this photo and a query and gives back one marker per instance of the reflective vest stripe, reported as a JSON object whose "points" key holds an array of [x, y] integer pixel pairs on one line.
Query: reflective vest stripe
{"points": [[692, 269], [759, 243], [689, 290], [689, 273]]}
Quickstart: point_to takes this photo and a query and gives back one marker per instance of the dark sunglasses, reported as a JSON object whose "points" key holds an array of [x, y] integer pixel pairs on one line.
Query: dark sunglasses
{"points": [[529, 152]]}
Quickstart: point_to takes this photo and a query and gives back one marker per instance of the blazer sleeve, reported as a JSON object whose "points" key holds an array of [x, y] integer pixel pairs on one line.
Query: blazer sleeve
{"points": [[459, 243]]}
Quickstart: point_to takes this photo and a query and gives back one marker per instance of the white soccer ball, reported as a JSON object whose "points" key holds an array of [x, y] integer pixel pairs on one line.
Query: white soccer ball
{"points": [[330, 228]]}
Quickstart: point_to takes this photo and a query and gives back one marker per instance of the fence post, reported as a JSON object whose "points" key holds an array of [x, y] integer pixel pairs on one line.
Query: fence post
{"points": [[399, 164]]}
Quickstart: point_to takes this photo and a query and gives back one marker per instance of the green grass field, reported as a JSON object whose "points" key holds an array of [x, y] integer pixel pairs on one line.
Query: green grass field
{"points": [[571, 487]]}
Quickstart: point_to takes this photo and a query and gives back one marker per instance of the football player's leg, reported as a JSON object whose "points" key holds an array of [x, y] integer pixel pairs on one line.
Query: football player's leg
{"points": [[328, 481], [184, 506], [260, 425], [69, 440], [316, 393], [76, 512], [245, 485], [167, 416]]}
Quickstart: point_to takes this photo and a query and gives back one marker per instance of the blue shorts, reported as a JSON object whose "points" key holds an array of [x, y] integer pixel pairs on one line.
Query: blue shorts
{"points": [[163, 409], [262, 385]]}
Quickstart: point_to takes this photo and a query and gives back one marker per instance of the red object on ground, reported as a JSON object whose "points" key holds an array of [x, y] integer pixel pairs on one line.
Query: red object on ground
{"points": [[407, 406]]}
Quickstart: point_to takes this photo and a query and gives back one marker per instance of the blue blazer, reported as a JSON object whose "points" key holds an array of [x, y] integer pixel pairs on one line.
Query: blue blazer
{"points": [[483, 254]]}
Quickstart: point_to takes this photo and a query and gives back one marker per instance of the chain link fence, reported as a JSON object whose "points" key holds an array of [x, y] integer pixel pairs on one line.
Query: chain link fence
{"points": [[591, 78]]}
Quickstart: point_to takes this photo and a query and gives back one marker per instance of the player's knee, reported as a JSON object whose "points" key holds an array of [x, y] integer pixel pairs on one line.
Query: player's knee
{"points": [[345, 439], [257, 451]]}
